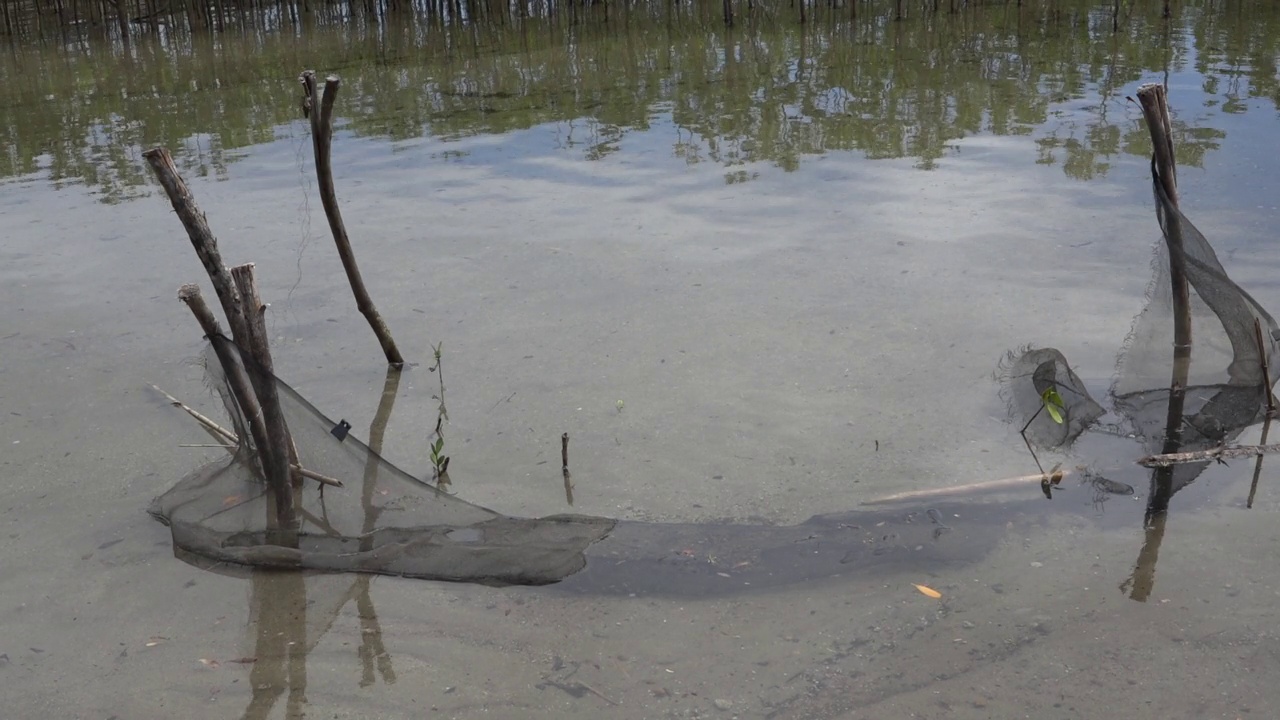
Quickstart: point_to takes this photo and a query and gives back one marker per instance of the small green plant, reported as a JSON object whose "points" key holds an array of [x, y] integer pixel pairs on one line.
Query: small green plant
{"points": [[1053, 404], [439, 461]]}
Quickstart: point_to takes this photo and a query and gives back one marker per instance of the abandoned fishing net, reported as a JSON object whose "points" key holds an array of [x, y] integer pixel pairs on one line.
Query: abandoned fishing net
{"points": [[382, 521], [1224, 383], [1029, 378]]}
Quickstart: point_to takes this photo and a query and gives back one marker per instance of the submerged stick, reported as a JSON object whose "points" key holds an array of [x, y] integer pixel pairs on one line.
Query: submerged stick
{"points": [[564, 462], [1271, 409], [1218, 453], [1257, 467], [1001, 484], [321, 139]]}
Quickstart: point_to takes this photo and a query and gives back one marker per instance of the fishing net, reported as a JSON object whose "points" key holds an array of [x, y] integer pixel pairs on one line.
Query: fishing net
{"points": [[1223, 390], [383, 520], [1028, 377], [1225, 384]]}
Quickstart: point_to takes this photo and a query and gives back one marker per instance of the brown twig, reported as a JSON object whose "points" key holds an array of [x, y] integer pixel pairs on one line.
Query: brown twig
{"points": [[1218, 453], [564, 451], [321, 139], [568, 487]]}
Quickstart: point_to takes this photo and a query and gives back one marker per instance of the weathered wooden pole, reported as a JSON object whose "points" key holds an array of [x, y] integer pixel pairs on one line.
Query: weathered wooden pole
{"points": [[320, 112], [276, 455], [1155, 108], [202, 239]]}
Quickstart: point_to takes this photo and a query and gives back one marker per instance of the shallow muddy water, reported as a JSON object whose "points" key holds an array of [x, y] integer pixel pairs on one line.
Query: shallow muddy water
{"points": [[757, 276]]}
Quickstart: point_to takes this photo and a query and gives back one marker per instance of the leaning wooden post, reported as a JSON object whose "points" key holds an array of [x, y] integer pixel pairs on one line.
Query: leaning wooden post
{"points": [[202, 239], [275, 456], [321, 117], [237, 380]]}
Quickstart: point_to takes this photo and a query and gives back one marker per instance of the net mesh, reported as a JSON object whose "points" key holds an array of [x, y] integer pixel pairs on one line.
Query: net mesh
{"points": [[382, 521], [1223, 391]]}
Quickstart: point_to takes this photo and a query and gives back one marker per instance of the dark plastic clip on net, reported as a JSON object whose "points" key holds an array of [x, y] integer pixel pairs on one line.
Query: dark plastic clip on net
{"points": [[340, 430]]}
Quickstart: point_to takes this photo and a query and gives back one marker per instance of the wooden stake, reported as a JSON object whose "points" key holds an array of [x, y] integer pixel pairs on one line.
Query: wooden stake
{"points": [[321, 139], [275, 455], [1155, 108]]}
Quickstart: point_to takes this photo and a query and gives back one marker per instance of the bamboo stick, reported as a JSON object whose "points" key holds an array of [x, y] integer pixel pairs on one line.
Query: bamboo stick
{"points": [[982, 486]]}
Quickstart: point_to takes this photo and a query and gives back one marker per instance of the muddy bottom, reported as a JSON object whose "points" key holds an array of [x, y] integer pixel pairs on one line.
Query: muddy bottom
{"points": [[729, 358]]}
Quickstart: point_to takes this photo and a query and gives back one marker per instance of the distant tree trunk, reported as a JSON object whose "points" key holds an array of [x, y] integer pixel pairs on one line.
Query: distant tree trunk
{"points": [[122, 17]]}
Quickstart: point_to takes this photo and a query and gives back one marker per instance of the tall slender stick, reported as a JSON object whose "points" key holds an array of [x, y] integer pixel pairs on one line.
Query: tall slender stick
{"points": [[1155, 108], [275, 456], [321, 139]]}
